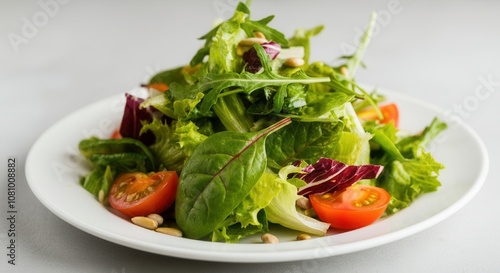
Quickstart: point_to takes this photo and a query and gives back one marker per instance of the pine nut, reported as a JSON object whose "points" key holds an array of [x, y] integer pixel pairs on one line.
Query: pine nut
{"points": [[251, 40], [145, 222], [240, 50], [303, 236], [169, 231], [259, 34], [344, 71], [303, 203], [101, 196], [294, 62], [268, 238], [158, 218]]}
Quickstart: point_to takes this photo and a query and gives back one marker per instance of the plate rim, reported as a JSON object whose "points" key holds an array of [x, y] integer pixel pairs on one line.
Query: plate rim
{"points": [[279, 255]]}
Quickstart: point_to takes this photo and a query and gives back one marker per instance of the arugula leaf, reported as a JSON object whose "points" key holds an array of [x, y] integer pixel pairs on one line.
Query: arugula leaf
{"points": [[248, 82], [271, 34], [302, 38], [242, 15], [320, 103], [261, 25], [168, 76], [337, 81], [355, 60]]}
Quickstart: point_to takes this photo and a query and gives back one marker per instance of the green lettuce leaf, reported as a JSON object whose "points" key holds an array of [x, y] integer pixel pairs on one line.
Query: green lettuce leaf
{"points": [[168, 76], [247, 218], [174, 143], [109, 157], [283, 211], [409, 170], [321, 103], [222, 53], [99, 181], [353, 148], [232, 233]]}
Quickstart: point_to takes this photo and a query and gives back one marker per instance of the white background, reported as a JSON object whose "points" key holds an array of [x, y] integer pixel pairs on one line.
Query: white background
{"points": [[77, 52]]}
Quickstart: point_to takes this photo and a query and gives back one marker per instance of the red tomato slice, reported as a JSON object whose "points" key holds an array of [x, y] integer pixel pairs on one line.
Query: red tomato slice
{"points": [[389, 111], [356, 206], [139, 194]]}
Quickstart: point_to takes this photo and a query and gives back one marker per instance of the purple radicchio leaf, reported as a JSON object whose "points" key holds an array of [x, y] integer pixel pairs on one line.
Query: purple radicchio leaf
{"points": [[134, 117], [328, 175], [252, 60]]}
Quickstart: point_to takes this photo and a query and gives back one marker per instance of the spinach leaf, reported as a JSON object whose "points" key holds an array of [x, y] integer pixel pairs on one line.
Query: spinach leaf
{"points": [[94, 145], [233, 233], [168, 76], [306, 141], [110, 157], [121, 161], [320, 103], [218, 176]]}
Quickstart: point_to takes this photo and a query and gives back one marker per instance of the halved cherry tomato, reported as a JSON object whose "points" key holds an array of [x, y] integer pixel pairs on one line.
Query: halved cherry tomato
{"points": [[390, 112], [139, 194], [116, 134], [356, 206]]}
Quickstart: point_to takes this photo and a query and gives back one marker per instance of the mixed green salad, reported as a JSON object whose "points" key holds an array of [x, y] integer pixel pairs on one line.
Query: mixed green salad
{"points": [[249, 129]]}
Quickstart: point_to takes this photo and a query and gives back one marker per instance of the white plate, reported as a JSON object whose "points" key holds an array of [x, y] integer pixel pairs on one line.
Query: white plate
{"points": [[53, 169]]}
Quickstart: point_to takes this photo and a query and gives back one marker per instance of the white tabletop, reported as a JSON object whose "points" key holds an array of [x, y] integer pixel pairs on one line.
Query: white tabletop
{"points": [[57, 56]]}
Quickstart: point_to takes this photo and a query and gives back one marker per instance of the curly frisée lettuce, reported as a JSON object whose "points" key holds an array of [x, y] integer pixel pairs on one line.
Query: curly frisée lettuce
{"points": [[174, 143], [410, 170], [235, 120]]}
